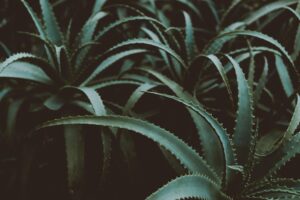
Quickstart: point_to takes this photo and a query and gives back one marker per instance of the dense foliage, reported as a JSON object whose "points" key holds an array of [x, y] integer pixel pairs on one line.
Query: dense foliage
{"points": [[155, 99]]}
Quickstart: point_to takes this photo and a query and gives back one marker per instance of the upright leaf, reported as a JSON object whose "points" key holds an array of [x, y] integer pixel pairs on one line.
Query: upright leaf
{"points": [[98, 6], [244, 120], [284, 76], [52, 29], [189, 37]]}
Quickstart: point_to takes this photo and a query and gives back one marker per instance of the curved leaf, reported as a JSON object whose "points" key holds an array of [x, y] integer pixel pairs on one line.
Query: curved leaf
{"points": [[101, 85], [184, 153], [109, 61], [98, 6], [26, 71], [275, 139], [268, 8], [215, 45], [126, 20], [142, 42], [219, 131], [188, 186], [136, 95]]}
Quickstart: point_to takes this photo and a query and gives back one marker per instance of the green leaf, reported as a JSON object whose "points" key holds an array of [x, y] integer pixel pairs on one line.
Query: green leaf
{"points": [[164, 55], [104, 84], [63, 65], [251, 71], [98, 6], [189, 186], [297, 38], [110, 61], [95, 100], [126, 20], [209, 138], [136, 96], [13, 112], [217, 130], [261, 83], [277, 193], [219, 66], [4, 92], [92, 96], [41, 63], [188, 157], [212, 6], [46, 42], [188, 4], [74, 147], [275, 139], [26, 71], [189, 37], [228, 11], [75, 142], [5, 49], [35, 19], [274, 182], [265, 10], [215, 45], [294, 12], [14, 58], [139, 42], [39, 27], [284, 76], [243, 129], [106, 139], [52, 29], [86, 35]]}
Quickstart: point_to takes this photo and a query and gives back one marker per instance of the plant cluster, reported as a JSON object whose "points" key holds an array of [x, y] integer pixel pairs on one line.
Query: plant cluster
{"points": [[155, 99]]}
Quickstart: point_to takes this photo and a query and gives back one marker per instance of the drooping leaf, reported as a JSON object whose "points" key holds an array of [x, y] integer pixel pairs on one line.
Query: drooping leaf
{"points": [[188, 157], [109, 61], [26, 71], [126, 20], [146, 43], [41, 63], [208, 129], [216, 130], [215, 45], [268, 8]]}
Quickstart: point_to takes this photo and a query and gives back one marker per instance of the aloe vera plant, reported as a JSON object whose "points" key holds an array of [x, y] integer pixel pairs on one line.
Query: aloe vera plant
{"points": [[236, 164], [62, 79], [242, 173], [223, 86]]}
